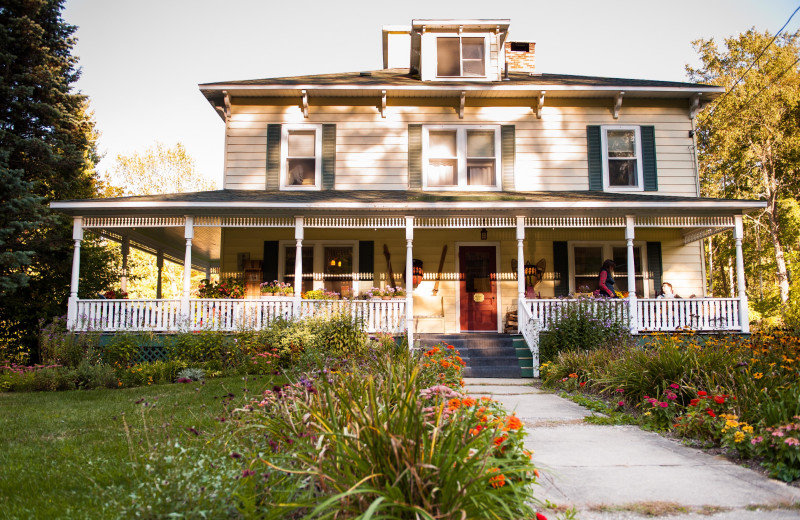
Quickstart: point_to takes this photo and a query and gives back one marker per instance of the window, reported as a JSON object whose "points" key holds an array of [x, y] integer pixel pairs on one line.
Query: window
{"points": [[587, 258], [461, 157], [622, 158], [460, 57], [301, 161], [329, 265]]}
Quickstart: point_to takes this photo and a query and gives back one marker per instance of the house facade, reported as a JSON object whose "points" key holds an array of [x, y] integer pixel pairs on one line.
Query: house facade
{"points": [[458, 173]]}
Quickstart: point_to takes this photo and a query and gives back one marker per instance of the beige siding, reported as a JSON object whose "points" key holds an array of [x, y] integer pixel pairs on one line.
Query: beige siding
{"points": [[372, 152]]}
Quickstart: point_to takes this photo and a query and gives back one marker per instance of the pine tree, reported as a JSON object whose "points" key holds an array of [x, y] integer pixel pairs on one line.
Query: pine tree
{"points": [[47, 152]]}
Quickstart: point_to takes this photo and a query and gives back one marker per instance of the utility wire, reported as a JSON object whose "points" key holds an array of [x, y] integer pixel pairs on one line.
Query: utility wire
{"points": [[754, 62]]}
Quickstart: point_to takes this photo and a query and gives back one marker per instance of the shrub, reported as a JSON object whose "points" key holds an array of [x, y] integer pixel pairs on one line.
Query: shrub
{"points": [[191, 374], [95, 376], [583, 325], [122, 347], [58, 346]]}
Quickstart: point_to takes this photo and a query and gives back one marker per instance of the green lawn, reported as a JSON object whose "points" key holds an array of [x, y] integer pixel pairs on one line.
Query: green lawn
{"points": [[63, 454]]}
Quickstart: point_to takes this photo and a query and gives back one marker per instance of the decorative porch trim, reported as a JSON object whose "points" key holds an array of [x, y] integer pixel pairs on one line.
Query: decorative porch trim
{"points": [[465, 222], [244, 222], [700, 234], [171, 254], [685, 222], [131, 222], [574, 222], [356, 222]]}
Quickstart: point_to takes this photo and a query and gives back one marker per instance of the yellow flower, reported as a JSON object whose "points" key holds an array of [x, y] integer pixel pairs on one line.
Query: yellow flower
{"points": [[738, 437], [758, 375], [747, 429]]}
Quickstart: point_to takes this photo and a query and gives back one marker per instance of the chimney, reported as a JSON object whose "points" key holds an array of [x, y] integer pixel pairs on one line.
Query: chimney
{"points": [[520, 56], [396, 46]]}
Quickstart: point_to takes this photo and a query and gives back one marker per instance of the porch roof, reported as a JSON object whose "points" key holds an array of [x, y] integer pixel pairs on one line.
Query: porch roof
{"points": [[290, 203]]}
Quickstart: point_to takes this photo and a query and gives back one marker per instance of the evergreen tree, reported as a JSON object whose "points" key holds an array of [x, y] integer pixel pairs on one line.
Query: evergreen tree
{"points": [[47, 152]]}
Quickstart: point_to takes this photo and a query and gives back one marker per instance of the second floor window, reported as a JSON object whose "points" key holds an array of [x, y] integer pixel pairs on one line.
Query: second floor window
{"points": [[460, 57], [461, 157], [622, 164], [301, 164]]}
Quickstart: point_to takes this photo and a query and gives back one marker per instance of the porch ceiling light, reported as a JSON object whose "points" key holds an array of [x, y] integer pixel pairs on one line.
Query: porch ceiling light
{"points": [[484, 234]]}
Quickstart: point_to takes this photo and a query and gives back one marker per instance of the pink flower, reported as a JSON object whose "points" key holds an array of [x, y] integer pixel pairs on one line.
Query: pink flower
{"points": [[663, 405], [621, 403], [791, 441], [757, 440], [675, 386], [777, 433], [621, 390]]}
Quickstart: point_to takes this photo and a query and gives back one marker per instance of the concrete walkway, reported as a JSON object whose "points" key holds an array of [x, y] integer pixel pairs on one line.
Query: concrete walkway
{"points": [[610, 472]]}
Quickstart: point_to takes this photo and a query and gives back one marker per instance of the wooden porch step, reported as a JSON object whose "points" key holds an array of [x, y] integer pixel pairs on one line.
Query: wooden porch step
{"points": [[489, 355]]}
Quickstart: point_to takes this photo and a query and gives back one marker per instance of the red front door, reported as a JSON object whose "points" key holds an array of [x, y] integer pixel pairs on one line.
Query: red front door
{"points": [[478, 288]]}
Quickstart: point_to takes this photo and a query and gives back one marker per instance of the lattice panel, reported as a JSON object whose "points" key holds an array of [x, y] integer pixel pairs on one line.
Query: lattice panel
{"points": [[355, 222], [574, 222], [244, 222], [700, 234], [465, 222], [684, 222], [150, 353], [132, 222]]}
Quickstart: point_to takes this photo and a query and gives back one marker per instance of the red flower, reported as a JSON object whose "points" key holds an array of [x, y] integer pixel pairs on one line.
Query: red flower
{"points": [[719, 399], [702, 393], [710, 412], [582, 383], [540, 516]]}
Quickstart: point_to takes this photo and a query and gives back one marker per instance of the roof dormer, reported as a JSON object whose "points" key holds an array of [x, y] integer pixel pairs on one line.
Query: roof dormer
{"points": [[461, 50]]}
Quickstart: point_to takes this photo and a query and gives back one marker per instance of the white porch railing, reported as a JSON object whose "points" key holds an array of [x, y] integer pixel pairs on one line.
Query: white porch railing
{"points": [[653, 315], [530, 331], [700, 314], [229, 314], [123, 315], [548, 311]]}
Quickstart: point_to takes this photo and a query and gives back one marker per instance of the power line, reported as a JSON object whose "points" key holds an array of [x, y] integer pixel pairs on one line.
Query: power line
{"points": [[754, 62]]}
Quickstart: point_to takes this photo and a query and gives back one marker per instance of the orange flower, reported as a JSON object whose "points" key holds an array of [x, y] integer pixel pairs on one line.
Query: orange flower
{"points": [[476, 430], [500, 440], [573, 375], [497, 480], [468, 402], [453, 404], [536, 472], [513, 423]]}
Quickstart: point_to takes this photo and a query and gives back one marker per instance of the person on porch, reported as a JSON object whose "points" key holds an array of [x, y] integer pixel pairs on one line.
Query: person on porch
{"points": [[667, 292], [606, 280]]}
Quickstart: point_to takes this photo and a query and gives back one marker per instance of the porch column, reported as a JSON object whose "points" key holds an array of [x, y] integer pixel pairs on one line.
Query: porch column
{"points": [[160, 266], [744, 314], [634, 323], [187, 267], [126, 249], [299, 234], [520, 271], [72, 303], [410, 280]]}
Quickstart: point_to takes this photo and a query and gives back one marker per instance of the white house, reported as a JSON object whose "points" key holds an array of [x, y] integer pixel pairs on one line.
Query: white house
{"points": [[459, 158]]}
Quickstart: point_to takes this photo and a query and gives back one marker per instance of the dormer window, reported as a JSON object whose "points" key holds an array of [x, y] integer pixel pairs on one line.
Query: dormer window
{"points": [[461, 56]]}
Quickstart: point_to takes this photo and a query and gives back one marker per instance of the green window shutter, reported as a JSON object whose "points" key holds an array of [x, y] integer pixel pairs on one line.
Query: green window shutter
{"points": [[366, 259], [595, 156], [654, 264], [273, 158], [328, 157], [414, 157], [561, 268], [508, 146], [649, 158], [269, 266]]}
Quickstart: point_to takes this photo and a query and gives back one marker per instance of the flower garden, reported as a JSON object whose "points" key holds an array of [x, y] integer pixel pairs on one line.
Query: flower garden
{"points": [[343, 426], [734, 393]]}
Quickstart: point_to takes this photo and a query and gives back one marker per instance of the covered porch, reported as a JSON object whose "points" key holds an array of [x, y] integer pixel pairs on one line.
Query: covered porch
{"points": [[446, 233]]}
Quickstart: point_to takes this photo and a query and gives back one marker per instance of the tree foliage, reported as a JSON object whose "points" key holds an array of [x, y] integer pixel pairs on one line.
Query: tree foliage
{"points": [[47, 152], [157, 170], [749, 142]]}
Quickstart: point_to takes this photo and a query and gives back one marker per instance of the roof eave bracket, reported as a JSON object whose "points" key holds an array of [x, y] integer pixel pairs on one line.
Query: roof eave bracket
{"points": [[383, 103], [695, 106], [618, 104], [226, 110], [304, 103], [461, 103], [540, 104]]}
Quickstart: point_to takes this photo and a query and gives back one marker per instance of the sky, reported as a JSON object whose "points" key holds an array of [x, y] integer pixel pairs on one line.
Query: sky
{"points": [[142, 60]]}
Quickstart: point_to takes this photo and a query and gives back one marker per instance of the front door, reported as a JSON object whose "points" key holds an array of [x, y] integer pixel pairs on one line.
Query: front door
{"points": [[478, 288]]}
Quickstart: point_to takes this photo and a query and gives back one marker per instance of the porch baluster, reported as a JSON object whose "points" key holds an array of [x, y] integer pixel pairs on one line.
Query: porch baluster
{"points": [[72, 305], [188, 234], [738, 231]]}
